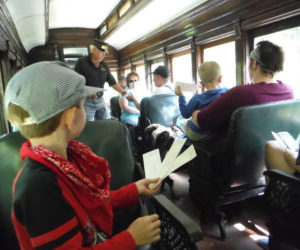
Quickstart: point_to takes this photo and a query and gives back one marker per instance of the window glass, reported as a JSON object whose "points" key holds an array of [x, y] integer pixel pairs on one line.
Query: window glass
{"points": [[182, 71], [141, 89], [71, 55], [126, 71], [109, 91], [224, 55], [155, 65], [289, 41], [182, 68]]}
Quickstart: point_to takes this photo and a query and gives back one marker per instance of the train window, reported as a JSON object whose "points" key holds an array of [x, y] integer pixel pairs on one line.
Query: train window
{"points": [[224, 55], [155, 65], [71, 55], [141, 89], [289, 41], [124, 8], [126, 71], [109, 91], [182, 68]]}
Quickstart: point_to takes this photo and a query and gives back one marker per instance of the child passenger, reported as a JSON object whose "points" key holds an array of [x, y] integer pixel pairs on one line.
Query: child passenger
{"points": [[61, 195], [211, 77]]}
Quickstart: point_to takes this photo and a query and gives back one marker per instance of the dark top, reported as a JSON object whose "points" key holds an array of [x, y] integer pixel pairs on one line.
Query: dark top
{"points": [[95, 76], [216, 116]]}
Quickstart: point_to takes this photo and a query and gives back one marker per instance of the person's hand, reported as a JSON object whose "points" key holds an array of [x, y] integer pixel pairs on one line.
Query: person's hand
{"points": [[143, 186], [124, 93], [290, 158], [131, 98], [145, 230], [94, 96], [178, 91]]}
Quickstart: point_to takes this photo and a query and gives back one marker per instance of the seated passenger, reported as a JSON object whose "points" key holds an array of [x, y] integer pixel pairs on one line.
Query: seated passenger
{"points": [[265, 61], [211, 77], [61, 195], [160, 77], [130, 107], [277, 157]]}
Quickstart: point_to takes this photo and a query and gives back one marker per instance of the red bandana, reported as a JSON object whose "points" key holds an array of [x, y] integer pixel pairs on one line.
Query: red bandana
{"points": [[86, 174]]}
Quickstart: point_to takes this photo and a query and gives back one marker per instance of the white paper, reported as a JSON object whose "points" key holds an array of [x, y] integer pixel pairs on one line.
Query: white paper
{"points": [[172, 161], [285, 140], [188, 87], [152, 164]]}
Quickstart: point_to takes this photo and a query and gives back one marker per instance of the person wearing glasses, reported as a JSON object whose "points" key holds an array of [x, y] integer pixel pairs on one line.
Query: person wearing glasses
{"points": [[130, 107], [96, 73]]}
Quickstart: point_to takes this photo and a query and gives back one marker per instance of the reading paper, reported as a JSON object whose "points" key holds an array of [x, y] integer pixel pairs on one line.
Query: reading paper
{"points": [[189, 87], [154, 168], [285, 140]]}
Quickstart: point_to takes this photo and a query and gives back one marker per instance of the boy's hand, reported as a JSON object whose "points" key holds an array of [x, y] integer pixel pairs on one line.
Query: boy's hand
{"points": [[145, 230], [143, 186], [178, 91]]}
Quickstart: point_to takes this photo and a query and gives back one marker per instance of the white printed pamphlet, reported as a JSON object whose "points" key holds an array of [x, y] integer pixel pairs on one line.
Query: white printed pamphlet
{"points": [[155, 168], [286, 140], [188, 87]]}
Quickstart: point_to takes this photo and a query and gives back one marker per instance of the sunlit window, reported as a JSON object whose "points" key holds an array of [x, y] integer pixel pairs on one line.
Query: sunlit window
{"points": [[141, 89], [124, 8], [109, 91], [182, 68], [155, 65], [71, 55], [126, 71], [289, 41], [224, 55], [182, 71]]}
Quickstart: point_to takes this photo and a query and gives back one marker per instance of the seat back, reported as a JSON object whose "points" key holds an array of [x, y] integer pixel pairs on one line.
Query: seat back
{"points": [[106, 138], [10, 165], [250, 128], [161, 109], [115, 108]]}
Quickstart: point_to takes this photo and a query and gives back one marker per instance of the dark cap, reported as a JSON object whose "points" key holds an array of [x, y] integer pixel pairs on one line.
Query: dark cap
{"points": [[100, 45], [161, 71]]}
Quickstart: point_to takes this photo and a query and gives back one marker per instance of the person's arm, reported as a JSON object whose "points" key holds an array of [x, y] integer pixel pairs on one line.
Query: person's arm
{"points": [[277, 157], [187, 109], [124, 106], [132, 98], [47, 221], [129, 195], [119, 89]]}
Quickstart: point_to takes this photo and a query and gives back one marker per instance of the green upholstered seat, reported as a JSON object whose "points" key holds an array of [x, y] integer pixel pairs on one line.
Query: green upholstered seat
{"points": [[236, 173], [107, 138], [115, 108], [10, 164], [161, 109]]}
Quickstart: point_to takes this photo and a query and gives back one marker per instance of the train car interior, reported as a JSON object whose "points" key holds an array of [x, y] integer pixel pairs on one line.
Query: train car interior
{"points": [[225, 198]]}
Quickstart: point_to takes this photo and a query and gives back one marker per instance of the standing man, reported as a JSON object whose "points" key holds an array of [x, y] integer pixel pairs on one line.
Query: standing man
{"points": [[163, 86], [96, 73]]}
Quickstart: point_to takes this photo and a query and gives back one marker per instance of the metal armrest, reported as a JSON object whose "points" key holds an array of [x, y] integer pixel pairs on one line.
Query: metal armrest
{"points": [[190, 226], [283, 176]]}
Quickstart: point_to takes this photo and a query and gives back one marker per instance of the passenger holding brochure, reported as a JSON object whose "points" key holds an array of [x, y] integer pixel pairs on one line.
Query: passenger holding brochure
{"points": [[283, 153], [211, 77]]}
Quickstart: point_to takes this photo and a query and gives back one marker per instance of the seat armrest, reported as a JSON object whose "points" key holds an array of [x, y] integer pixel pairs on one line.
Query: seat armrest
{"points": [[191, 227], [283, 176]]}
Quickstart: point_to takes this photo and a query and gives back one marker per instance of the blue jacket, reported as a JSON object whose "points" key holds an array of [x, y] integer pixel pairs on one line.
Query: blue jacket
{"points": [[198, 101]]}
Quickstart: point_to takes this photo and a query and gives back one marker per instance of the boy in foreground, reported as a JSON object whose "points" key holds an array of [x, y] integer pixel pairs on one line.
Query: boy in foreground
{"points": [[61, 196]]}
